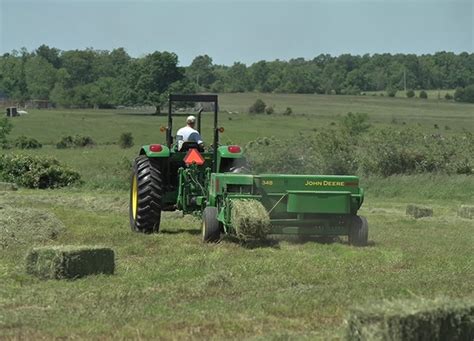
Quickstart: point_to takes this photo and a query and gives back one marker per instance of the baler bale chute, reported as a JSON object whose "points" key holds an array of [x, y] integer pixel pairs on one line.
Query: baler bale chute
{"points": [[217, 182]]}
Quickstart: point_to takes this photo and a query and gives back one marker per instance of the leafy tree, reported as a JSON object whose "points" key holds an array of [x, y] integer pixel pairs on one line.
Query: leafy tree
{"points": [[40, 77], [50, 54], [201, 71], [62, 93], [158, 71], [410, 93], [79, 65], [238, 78], [423, 94]]}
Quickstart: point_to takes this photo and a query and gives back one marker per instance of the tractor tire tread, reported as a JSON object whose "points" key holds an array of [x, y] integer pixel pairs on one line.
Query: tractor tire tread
{"points": [[149, 190]]}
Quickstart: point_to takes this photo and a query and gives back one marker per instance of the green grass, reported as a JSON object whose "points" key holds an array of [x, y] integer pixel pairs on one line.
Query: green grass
{"points": [[170, 285]]}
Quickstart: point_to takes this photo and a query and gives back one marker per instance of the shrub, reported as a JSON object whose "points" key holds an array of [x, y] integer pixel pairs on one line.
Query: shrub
{"points": [[356, 124], [382, 152], [36, 172], [410, 93], [126, 140], [387, 152], [448, 96], [324, 152], [24, 142], [269, 110], [76, 141], [288, 111], [423, 94], [391, 92], [258, 107], [464, 94]]}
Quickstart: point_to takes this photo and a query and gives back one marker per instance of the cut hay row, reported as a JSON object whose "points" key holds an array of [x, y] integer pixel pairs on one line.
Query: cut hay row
{"points": [[418, 211], [26, 226], [8, 186], [250, 219], [466, 212], [417, 319], [69, 262]]}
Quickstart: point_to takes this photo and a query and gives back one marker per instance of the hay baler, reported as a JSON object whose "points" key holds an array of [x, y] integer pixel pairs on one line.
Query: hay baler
{"points": [[212, 181]]}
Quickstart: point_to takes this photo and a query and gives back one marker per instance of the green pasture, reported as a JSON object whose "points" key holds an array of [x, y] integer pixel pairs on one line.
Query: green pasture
{"points": [[172, 286]]}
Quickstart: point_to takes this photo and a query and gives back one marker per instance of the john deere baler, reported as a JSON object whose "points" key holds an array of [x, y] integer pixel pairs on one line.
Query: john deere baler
{"points": [[309, 205]]}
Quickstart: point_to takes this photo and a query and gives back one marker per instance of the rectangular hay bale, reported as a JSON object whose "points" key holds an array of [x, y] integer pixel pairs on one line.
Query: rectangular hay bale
{"points": [[60, 262], [466, 211], [416, 319], [418, 211], [250, 219]]}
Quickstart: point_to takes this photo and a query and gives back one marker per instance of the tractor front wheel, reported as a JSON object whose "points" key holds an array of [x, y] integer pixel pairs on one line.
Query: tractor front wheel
{"points": [[145, 195], [211, 230], [359, 231]]}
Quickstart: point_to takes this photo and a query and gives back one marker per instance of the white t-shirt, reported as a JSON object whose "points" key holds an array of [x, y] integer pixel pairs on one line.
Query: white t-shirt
{"points": [[188, 134]]}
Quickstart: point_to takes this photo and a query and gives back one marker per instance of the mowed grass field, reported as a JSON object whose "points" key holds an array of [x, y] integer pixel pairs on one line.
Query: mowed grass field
{"points": [[172, 286]]}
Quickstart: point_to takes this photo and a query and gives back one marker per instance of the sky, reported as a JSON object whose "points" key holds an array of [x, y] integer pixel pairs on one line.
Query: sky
{"points": [[240, 30]]}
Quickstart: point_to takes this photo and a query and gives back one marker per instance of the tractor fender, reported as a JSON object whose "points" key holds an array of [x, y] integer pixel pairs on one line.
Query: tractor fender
{"points": [[165, 151], [228, 152]]}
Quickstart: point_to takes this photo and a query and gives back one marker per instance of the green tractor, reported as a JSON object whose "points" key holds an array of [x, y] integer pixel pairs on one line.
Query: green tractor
{"points": [[184, 176]]}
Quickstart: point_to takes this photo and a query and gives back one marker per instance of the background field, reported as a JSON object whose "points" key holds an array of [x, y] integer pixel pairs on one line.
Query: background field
{"points": [[171, 285]]}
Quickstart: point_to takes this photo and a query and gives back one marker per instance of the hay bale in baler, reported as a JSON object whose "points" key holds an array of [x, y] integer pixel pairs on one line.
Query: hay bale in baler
{"points": [[418, 211], [415, 319], [250, 219], [466, 211], [69, 262]]}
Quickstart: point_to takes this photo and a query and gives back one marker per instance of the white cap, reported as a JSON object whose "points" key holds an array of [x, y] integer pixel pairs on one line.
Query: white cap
{"points": [[191, 119]]}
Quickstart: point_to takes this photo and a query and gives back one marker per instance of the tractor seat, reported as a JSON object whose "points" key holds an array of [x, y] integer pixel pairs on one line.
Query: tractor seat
{"points": [[185, 146]]}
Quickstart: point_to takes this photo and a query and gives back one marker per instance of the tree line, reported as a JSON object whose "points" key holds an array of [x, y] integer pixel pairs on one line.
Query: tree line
{"points": [[101, 78]]}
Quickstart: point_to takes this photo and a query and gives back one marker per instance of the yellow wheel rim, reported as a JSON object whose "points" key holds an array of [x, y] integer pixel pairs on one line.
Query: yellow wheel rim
{"points": [[134, 197]]}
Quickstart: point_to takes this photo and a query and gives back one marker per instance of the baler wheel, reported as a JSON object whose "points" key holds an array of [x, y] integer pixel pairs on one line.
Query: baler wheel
{"points": [[211, 230], [145, 195], [359, 231]]}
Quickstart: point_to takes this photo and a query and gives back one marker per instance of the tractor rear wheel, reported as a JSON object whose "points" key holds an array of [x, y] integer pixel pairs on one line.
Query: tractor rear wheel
{"points": [[211, 229], [358, 231], [145, 195]]}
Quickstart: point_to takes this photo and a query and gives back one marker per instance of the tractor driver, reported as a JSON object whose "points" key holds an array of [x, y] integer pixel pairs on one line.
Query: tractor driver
{"points": [[189, 134]]}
